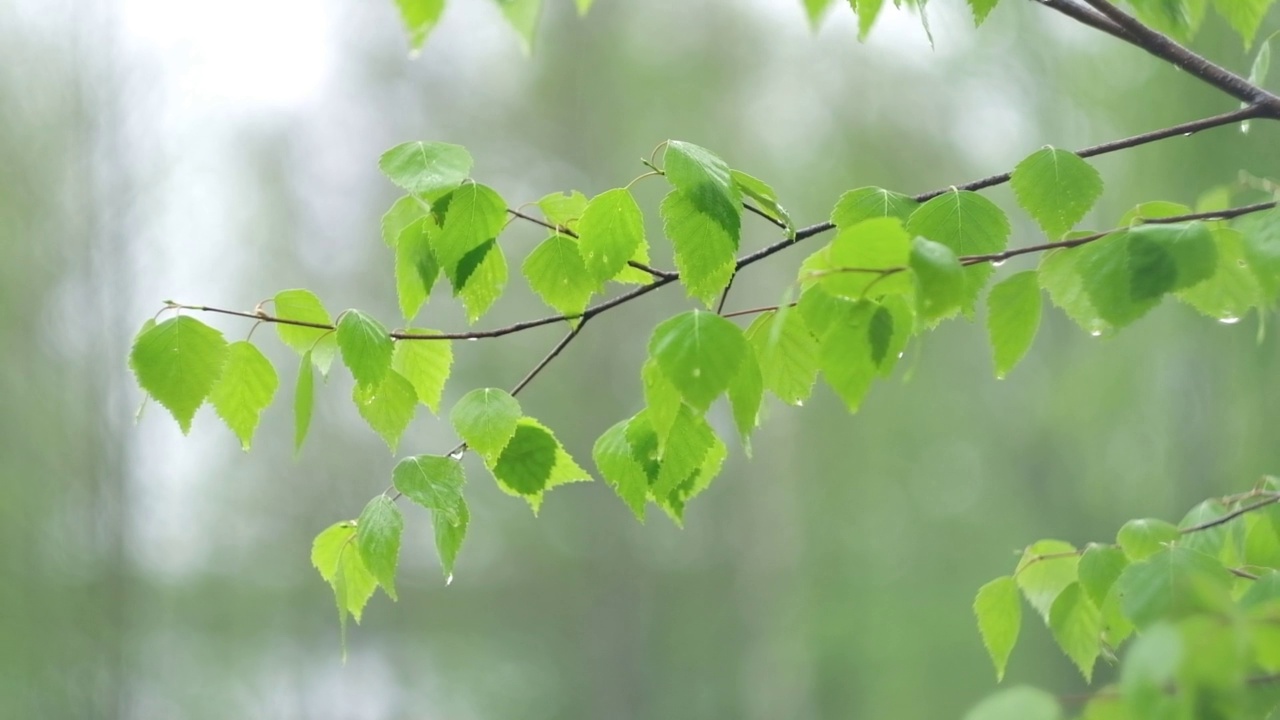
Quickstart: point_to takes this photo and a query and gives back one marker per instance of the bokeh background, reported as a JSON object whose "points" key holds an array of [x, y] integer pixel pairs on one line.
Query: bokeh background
{"points": [[217, 153]]}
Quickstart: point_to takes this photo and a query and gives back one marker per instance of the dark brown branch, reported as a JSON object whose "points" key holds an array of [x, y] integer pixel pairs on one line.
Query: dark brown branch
{"points": [[1269, 500], [1085, 16], [776, 222], [1165, 48], [528, 378]]}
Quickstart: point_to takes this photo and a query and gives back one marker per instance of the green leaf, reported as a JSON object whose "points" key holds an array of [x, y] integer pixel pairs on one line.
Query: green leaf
{"points": [[1210, 541], [867, 11], [388, 407], [845, 352], [1233, 289], [967, 223], [867, 203], [1013, 316], [704, 248], [999, 613], [532, 462], [485, 281], [1076, 624], [416, 266], [245, 389], [662, 399], [335, 556], [814, 9], [474, 218], [1261, 236], [303, 401], [403, 212], [1099, 567], [700, 353], [433, 482], [686, 448], [1017, 703], [981, 8], [304, 306], [366, 348], [1046, 568], [675, 502], [178, 362], [1149, 668], [1140, 539], [425, 364], [746, 393], [1126, 274], [940, 280], [419, 17], [1057, 188], [583, 6], [610, 233], [622, 468], [1172, 584], [426, 167], [1059, 275], [1179, 18], [1154, 210], [378, 540], [765, 197], [449, 536], [486, 419], [523, 16], [1244, 16], [787, 353], [696, 170], [563, 209], [848, 266], [556, 271]]}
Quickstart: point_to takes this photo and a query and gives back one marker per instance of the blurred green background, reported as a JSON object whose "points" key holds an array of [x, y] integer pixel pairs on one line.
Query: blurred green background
{"points": [[218, 153]]}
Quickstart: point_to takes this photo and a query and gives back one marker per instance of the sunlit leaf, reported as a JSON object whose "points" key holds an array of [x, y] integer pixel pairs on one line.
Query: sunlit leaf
{"points": [[621, 467], [1013, 316], [1140, 539], [940, 279], [766, 200], [1244, 16], [486, 419], [425, 364], [378, 540], [1099, 567], [700, 353], [867, 203], [1076, 624], [304, 306], [999, 612], [532, 462], [981, 8], [434, 482], [1046, 568], [366, 348], [523, 16], [178, 362], [556, 272], [335, 556], [419, 17], [787, 352], [245, 389], [1056, 187], [426, 167], [968, 224], [563, 209], [1171, 584], [704, 248], [610, 232], [303, 401], [416, 266], [388, 407]]}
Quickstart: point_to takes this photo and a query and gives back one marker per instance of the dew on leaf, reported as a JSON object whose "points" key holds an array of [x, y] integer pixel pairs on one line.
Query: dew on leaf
{"points": [[1228, 319], [998, 263], [449, 580]]}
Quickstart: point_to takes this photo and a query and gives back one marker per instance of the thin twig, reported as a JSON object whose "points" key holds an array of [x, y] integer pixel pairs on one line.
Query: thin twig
{"points": [[566, 231], [528, 378], [1088, 17], [758, 310], [776, 222], [1269, 500]]}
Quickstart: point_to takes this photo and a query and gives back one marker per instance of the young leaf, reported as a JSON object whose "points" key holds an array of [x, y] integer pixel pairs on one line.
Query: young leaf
{"points": [[366, 348], [704, 247], [1244, 16], [1233, 289], [486, 419], [1179, 18], [532, 462], [867, 11], [1045, 569], [472, 222], [686, 447], [1127, 273], [699, 172], [304, 306], [787, 352], [334, 555], [969, 224], [449, 536], [674, 502], [564, 209], [303, 401], [662, 400], [416, 266], [610, 232], [485, 273], [620, 467], [388, 407], [845, 352], [1017, 703], [849, 266], [426, 167], [556, 272], [419, 17], [1059, 275], [378, 540], [1057, 188], [177, 362], [245, 389], [1140, 539], [871, 202], [425, 364], [1210, 541], [1099, 567], [814, 9], [700, 353], [940, 280], [403, 212], [1172, 584], [999, 613], [523, 16], [1261, 237], [433, 482], [1150, 666], [1013, 316], [981, 8], [1076, 624], [746, 393], [764, 196]]}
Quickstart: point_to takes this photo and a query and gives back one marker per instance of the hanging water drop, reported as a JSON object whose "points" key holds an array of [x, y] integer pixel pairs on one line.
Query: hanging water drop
{"points": [[456, 454], [471, 339], [1228, 319], [449, 580], [998, 263], [1095, 333], [799, 403], [901, 354]]}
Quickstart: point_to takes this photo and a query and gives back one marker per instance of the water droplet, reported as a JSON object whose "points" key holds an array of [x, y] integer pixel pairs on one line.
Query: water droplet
{"points": [[1096, 333], [456, 454], [449, 580], [799, 403], [472, 339], [997, 263], [1187, 134], [900, 355], [1228, 319], [697, 372]]}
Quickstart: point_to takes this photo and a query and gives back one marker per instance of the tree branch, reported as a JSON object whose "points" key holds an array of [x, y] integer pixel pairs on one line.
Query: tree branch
{"points": [[1270, 500], [566, 231], [1085, 16]]}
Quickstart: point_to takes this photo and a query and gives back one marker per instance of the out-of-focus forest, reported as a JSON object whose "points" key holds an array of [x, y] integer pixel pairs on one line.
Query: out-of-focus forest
{"points": [[218, 153]]}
